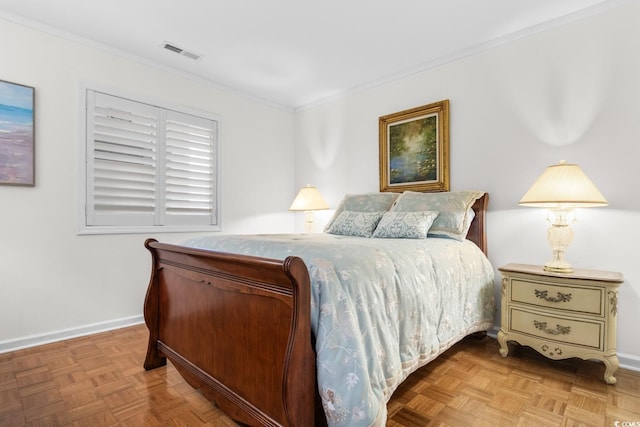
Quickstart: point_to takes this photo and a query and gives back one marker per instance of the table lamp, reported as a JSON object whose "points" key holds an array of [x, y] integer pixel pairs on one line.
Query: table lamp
{"points": [[308, 200], [561, 188]]}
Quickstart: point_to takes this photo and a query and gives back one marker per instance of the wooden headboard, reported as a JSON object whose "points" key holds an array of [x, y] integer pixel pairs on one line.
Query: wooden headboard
{"points": [[477, 232]]}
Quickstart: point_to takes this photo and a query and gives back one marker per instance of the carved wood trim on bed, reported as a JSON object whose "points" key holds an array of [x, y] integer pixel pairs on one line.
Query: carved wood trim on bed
{"points": [[477, 233], [257, 310], [238, 328]]}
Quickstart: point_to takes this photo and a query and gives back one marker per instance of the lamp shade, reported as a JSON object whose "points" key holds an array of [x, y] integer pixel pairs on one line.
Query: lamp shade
{"points": [[308, 199], [563, 184]]}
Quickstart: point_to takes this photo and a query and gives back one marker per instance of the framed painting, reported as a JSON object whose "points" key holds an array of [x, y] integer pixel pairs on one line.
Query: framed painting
{"points": [[17, 129], [414, 149]]}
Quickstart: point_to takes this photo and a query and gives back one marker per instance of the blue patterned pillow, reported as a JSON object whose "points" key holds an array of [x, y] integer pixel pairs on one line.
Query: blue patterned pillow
{"points": [[408, 225], [454, 210], [360, 224], [368, 202]]}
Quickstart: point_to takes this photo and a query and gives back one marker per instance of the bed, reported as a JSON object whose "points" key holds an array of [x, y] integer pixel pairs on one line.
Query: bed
{"points": [[298, 330]]}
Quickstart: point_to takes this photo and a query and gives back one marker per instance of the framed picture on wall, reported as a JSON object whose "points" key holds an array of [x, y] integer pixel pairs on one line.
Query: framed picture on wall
{"points": [[17, 134], [414, 149]]}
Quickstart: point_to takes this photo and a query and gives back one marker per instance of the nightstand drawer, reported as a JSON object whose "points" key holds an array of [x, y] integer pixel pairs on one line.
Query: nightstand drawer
{"points": [[579, 332], [563, 297]]}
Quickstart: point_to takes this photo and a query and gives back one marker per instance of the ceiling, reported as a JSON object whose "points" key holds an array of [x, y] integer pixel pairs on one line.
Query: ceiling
{"points": [[294, 53]]}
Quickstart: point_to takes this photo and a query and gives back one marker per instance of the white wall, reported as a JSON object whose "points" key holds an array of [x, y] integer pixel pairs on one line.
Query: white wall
{"points": [[51, 279], [569, 93]]}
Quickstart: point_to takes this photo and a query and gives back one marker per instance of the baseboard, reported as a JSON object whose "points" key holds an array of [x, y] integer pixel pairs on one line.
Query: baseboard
{"points": [[627, 361], [65, 334]]}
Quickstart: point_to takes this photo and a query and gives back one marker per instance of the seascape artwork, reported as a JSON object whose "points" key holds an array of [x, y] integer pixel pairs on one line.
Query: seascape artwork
{"points": [[16, 134], [413, 151]]}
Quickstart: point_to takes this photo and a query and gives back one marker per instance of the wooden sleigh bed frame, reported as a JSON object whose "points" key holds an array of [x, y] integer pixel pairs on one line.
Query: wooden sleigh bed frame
{"points": [[238, 328]]}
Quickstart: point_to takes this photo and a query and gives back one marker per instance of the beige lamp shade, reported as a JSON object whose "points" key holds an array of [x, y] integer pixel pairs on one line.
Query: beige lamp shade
{"points": [[308, 199], [563, 184]]}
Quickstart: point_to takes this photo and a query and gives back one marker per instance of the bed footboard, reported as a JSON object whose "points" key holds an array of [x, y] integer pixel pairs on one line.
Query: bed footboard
{"points": [[237, 328]]}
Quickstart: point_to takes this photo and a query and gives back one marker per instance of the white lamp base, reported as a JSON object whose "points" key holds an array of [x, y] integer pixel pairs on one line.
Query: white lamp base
{"points": [[559, 236], [309, 226], [556, 267]]}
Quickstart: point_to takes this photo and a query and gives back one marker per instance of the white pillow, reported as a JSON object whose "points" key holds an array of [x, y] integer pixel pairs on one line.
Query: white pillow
{"points": [[368, 202], [454, 210], [408, 225], [360, 224]]}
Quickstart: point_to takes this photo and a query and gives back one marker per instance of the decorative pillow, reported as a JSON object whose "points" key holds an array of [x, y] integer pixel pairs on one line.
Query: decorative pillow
{"points": [[360, 224], [454, 210], [408, 225], [369, 202]]}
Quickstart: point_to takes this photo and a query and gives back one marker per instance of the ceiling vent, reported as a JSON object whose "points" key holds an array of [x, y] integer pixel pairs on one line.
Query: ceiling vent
{"points": [[180, 51]]}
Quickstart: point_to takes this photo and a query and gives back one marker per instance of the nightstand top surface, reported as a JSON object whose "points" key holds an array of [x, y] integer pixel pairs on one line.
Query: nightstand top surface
{"points": [[603, 276]]}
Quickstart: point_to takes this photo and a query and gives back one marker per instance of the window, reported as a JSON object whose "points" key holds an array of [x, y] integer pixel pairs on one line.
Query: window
{"points": [[148, 168]]}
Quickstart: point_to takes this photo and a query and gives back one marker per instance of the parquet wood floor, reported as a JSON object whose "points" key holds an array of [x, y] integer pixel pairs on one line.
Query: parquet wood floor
{"points": [[99, 381]]}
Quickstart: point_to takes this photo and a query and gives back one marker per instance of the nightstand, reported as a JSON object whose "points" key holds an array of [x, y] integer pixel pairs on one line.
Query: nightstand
{"points": [[561, 315]]}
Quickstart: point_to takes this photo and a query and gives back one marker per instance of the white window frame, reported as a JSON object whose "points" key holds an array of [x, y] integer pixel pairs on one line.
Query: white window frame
{"points": [[85, 170]]}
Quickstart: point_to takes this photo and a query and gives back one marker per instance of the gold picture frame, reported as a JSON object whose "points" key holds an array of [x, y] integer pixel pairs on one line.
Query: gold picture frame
{"points": [[414, 149]]}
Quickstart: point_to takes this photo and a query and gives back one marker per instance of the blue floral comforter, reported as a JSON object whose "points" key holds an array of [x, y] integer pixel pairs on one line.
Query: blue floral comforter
{"points": [[380, 309]]}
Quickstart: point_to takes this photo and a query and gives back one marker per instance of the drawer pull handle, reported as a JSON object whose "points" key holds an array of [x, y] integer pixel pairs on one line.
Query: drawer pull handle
{"points": [[559, 330], [560, 298]]}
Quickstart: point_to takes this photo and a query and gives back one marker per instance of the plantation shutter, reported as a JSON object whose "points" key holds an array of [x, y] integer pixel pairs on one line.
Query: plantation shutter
{"points": [[122, 138], [189, 190], [148, 166]]}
